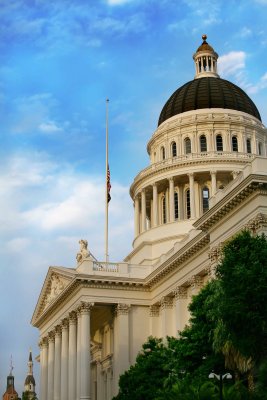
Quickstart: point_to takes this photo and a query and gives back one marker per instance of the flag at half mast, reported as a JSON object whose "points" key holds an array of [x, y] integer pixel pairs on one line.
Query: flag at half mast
{"points": [[108, 185]]}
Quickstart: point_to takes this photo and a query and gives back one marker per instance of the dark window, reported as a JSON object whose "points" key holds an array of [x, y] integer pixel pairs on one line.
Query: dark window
{"points": [[162, 150], [187, 146], [176, 206], [219, 143], [234, 143], [164, 219], [203, 143], [260, 149], [205, 199], [188, 210], [248, 146], [174, 149]]}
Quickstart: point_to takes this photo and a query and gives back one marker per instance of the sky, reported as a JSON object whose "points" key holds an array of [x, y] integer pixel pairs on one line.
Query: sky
{"points": [[59, 61]]}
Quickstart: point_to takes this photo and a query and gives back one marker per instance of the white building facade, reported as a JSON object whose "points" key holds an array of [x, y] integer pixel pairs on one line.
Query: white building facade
{"points": [[207, 180]]}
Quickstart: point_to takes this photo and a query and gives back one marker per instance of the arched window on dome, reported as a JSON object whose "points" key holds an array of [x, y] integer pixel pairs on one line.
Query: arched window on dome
{"points": [[187, 200], [187, 143], [164, 215], [248, 146], [176, 206], [205, 199], [174, 149], [219, 143], [162, 153], [260, 149], [234, 143], [203, 143]]}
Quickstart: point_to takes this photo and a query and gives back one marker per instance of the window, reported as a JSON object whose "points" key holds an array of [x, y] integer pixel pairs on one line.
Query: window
{"points": [[219, 143], [260, 148], [188, 210], [174, 149], [162, 152], [205, 199], [187, 146], [203, 143], [234, 143], [164, 219], [248, 146], [176, 206]]}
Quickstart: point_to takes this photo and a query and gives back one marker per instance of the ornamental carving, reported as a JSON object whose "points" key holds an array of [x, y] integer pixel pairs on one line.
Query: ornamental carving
{"points": [[154, 310], [196, 282], [58, 330], [85, 307], [72, 317], [256, 223], [64, 323], [57, 286], [51, 336], [83, 253], [166, 303], [180, 293], [122, 309], [215, 253]]}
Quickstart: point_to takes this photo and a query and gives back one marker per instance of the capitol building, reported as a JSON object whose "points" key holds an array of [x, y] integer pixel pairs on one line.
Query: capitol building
{"points": [[205, 182]]}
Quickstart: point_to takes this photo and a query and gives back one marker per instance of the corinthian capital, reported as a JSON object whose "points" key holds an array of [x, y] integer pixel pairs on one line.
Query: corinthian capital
{"points": [[180, 293], [85, 307], [123, 309]]}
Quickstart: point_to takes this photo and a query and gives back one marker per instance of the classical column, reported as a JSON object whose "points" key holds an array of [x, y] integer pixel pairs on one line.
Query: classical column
{"points": [[44, 368], [143, 210], [196, 282], [78, 372], [51, 361], [99, 380], [181, 202], [154, 320], [64, 358], [136, 216], [57, 372], [171, 199], [121, 345], [192, 195], [180, 295], [213, 182], [72, 355], [155, 205], [166, 305], [85, 350]]}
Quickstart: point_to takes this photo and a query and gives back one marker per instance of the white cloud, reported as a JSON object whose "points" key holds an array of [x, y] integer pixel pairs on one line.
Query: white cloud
{"points": [[117, 2], [245, 32], [49, 127], [231, 63]]}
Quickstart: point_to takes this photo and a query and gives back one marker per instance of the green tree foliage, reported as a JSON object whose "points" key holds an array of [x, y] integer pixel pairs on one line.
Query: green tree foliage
{"points": [[242, 275]]}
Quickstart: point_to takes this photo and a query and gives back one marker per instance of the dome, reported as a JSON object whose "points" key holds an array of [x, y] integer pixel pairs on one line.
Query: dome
{"points": [[208, 92], [29, 379]]}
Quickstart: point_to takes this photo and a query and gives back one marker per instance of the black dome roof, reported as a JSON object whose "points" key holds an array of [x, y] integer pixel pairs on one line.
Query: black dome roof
{"points": [[208, 92], [29, 379]]}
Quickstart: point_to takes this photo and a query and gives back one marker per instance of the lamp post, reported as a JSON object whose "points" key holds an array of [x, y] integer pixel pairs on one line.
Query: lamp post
{"points": [[220, 378]]}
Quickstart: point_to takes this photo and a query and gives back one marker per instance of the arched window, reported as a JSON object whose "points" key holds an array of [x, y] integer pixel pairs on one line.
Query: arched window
{"points": [[174, 149], [188, 209], [234, 143], [205, 199], [219, 143], [176, 206], [162, 152], [248, 146], [164, 218], [260, 148], [203, 143], [187, 143]]}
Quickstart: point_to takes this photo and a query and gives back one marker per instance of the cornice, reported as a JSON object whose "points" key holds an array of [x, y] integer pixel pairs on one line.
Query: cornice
{"points": [[252, 184]]}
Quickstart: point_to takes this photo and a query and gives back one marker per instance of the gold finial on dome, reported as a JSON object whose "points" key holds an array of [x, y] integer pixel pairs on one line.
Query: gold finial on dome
{"points": [[204, 37]]}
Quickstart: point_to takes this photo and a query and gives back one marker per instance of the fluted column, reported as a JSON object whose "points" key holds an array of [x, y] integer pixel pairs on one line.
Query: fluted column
{"points": [[143, 210], [51, 361], [72, 355], [44, 368], [78, 372], [166, 305], [180, 295], [155, 205], [154, 320], [213, 182], [64, 358], [57, 372], [192, 195], [136, 216], [85, 350], [171, 199], [181, 202]]}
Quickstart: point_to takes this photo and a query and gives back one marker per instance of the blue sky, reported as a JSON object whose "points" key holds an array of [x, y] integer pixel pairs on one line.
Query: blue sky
{"points": [[59, 61]]}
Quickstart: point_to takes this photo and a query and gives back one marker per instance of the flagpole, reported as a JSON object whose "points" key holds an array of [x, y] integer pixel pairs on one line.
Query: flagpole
{"points": [[106, 197]]}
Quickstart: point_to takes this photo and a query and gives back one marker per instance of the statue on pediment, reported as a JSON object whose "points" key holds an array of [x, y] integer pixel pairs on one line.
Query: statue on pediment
{"points": [[57, 285], [83, 253]]}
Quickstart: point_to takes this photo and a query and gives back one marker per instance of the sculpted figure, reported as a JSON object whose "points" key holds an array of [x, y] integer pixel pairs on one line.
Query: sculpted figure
{"points": [[83, 253]]}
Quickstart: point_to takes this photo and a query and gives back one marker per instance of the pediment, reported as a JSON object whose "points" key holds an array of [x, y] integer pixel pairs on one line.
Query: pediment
{"points": [[56, 282]]}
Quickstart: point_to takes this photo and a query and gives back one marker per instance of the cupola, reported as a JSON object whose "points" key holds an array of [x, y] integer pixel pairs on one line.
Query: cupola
{"points": [[205, 60]]}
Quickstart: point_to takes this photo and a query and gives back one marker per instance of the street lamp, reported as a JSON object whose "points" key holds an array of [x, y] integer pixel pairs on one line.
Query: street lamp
{"points": [[220, 378]]}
